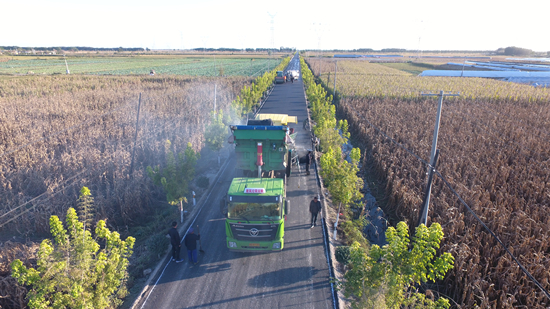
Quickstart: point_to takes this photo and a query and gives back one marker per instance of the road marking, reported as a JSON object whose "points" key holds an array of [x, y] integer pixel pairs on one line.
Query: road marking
{"points": [[196, 216]]}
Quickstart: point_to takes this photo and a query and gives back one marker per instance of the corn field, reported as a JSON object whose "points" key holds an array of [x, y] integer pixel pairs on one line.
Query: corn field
{"points": [[494, 152], [60, 133]]}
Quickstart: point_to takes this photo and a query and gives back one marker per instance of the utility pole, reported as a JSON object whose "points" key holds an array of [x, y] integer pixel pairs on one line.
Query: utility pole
{"points": [[424, 214], [135, 137], [318, 31], [335, 70], [425, 203], [66, 65], [272, 28]]}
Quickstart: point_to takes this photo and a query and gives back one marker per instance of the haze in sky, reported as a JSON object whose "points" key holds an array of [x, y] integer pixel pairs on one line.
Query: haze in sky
{"points": [[344, 24]]}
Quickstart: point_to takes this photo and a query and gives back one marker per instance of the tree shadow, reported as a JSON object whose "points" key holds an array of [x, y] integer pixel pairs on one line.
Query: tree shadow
{"points": [[283, 277]]}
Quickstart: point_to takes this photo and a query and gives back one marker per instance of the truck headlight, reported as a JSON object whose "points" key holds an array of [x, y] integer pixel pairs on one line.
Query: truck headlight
{"points": [[277, 245], [232, 244]]}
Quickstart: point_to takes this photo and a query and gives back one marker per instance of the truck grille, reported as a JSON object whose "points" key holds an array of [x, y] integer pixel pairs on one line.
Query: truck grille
{"points": [[254, 231]]}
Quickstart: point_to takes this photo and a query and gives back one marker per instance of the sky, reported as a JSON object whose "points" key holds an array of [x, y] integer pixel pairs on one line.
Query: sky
{"points": [[343, 24]]}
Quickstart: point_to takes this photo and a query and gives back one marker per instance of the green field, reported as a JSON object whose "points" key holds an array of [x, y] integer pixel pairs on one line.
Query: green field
{"points": [[139, 65], [410, 67]]}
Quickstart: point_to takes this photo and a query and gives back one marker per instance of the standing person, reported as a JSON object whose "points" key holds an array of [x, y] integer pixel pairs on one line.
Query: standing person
{"points": [[308, 161], [314, 209], [175, 240], [191, 244]]}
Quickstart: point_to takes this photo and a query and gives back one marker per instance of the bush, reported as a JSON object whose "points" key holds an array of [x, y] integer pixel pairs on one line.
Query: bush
{"points": [[353, 232], [203, 182], [157, 244], [342, 254]]}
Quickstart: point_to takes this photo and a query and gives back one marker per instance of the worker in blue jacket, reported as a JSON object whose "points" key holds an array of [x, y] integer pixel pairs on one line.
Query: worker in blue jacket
{"points": [[191, 244]]}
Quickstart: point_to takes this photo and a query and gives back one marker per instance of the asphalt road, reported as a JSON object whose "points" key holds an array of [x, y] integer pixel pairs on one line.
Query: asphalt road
{"points": [[296, 277]]}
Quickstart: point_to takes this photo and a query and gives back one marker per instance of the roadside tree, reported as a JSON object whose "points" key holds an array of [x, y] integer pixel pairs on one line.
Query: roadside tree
{"points": [[390, 275], [216, 133], [75, 271], [176, 175]]}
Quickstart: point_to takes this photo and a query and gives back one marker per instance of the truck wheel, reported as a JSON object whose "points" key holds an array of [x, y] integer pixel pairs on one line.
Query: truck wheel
{"points": [[287, 207]]}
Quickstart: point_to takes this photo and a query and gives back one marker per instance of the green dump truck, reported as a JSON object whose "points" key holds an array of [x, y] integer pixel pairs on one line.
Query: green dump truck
{"points": [[256, 204], [262, 148], [256, 213]]}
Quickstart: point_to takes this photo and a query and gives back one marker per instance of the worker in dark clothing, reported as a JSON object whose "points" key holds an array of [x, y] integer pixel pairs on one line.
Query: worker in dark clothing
{"points": [[308, 161], [314, 209], [175, 240], [191, 244]]}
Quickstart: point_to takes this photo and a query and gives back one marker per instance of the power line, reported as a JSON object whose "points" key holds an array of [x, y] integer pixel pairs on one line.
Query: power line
{"points": [[497, 134], [155, 130], [463, 203], [62, 131], [65, 186], [34, 199], [494, 236], [389, 138]]}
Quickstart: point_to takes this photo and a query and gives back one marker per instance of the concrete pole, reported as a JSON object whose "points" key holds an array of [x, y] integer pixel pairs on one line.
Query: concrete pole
{"points": [[335, 70], [135, 137], [423, 219], [433, 158], [436, 129]]}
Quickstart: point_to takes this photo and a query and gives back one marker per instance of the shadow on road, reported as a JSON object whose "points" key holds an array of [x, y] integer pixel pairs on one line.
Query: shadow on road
{"points": [[263, 294], [297, 227], [283, 277]]}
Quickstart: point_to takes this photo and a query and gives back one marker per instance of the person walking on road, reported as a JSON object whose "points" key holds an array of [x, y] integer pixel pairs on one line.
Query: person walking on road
{"points": [[308, 161], [175, 240], [191, 244], [314, 209]]}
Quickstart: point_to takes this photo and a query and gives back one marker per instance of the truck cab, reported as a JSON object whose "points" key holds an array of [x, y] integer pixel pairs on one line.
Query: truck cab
{"points": [[256, 211]]}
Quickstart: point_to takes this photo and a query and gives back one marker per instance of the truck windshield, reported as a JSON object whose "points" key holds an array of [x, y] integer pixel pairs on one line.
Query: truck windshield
{"points": [[254, 211], [279, 74]]}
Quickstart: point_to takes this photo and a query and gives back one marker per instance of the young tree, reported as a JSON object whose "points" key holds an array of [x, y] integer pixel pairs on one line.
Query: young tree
{"points": [[344, 185], [215, 133], [74, 271], [86, 207], [177, 174], [390, 274]]}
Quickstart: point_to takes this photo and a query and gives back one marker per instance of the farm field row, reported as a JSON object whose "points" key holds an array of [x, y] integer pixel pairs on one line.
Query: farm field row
{"points": [[361, 78], [140, 65], [493, 153]]}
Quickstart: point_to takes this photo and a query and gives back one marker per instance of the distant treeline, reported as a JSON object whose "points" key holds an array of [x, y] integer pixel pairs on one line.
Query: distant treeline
{"points": [[403, 50], [74, 48], [223, 49], [140, 49], [508, 51]]}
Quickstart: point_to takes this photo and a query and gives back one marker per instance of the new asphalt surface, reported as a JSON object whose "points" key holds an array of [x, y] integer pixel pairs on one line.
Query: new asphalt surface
{"points": [[296, 277]]}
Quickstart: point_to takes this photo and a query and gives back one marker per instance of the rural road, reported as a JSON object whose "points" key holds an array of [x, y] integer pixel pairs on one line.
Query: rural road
{"points": [[296, 277]]}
